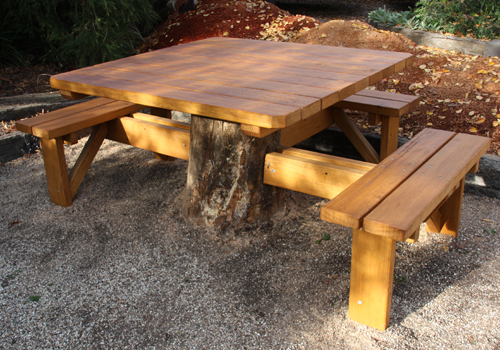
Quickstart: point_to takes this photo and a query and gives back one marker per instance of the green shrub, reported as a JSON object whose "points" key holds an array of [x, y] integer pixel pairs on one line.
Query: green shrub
{"points": [[75, 33], [478, 18], [475, 18]]}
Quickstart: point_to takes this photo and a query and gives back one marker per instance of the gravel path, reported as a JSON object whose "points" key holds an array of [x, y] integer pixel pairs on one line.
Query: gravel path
{"points": [[121, 269]]}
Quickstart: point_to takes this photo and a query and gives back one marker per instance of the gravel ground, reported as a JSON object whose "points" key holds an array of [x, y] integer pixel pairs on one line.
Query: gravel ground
{"points": [[122, 269]]}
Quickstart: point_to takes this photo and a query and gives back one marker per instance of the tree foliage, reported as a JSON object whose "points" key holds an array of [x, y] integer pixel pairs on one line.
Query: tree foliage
{"points": [[74, 33], [475, 18]]}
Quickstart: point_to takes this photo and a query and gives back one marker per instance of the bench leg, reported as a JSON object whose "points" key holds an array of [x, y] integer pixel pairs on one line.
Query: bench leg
{"points": [[56, 171], [446, 219], [389, 136], [372, 273]]}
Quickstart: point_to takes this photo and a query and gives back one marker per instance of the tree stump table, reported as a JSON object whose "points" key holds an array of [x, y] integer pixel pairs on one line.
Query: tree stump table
{"points": [[225, 175], [248, 92]]}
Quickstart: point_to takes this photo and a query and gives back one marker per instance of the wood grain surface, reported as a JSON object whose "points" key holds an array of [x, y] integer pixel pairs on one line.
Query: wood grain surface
{"points": [[260, 83]]}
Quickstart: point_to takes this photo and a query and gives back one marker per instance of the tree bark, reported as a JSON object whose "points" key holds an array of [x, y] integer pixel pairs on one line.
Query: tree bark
{"points": [[225, 175]]}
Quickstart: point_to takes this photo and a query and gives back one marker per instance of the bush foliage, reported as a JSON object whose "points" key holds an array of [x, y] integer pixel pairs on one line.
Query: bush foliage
{"points": [[74, 33], [475, 18]]}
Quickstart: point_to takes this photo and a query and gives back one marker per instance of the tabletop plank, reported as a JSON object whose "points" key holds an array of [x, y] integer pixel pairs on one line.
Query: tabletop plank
{"points": [[308, 104], [265, 84], [329, 90], [210, 73], [267, 115], [299, 47]]}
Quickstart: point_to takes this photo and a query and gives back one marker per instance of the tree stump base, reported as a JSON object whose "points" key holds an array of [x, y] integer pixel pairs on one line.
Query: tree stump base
{"points": [[225, 175]]}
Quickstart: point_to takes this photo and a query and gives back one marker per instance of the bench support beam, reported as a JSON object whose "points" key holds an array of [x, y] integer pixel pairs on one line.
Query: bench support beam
{"points": [[372, 271], [446, 219], [85, 159], [63, 187]]}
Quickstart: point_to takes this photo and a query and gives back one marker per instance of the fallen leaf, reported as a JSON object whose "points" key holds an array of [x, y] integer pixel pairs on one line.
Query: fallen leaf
{"points": [[13, 223], [422, 66], [495, 123], [458, 111], [441, 116], [323, 35], [473, 129], [487, 220], [480, 120]]}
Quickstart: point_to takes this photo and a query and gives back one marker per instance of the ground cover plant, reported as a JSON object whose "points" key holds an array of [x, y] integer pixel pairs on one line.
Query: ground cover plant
{"points": [[473, 18]]}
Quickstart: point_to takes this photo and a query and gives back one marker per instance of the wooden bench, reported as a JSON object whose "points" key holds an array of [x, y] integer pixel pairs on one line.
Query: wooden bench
{"points": [[383, 107], [423, 181], [114, 120]]}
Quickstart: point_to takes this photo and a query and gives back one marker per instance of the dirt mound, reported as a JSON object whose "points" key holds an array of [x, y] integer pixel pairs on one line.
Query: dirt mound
{"points": [[356, 34], [237, 19]]}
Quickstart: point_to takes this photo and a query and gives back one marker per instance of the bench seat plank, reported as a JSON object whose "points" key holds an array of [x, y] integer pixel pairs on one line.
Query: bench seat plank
{"points": [[379, 102], [84, 119], [26, 125], [352, 205], [400, 214]]}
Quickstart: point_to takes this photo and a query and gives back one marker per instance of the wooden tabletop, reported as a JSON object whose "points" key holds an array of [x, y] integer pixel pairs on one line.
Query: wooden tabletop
{"points": [[262, 83]]}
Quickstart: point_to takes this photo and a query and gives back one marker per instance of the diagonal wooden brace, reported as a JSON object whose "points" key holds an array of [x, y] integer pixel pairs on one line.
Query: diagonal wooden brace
{"points": [[62, 187], [355, 136]]}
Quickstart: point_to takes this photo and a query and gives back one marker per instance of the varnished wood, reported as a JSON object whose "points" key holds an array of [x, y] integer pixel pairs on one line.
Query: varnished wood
{"points": [[446, 218], [233, 109], [26, 125], [306, 128], [69, 95], [86, 157], [256, 131], [50, 129], [351, 206], [161, 120], [372, 271], [164, 113], [163, 139], [428, 186], [163, 157], [357, 139], [306, 175], [414, 237], [245, 81], [56, 171], [389, 136], [379, 102], [326, 158]]}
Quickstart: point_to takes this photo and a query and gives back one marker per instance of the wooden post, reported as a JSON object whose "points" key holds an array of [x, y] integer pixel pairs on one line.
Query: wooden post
{"points": [[225, 186], [389, 136], [56, 171], [372, 274]]}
